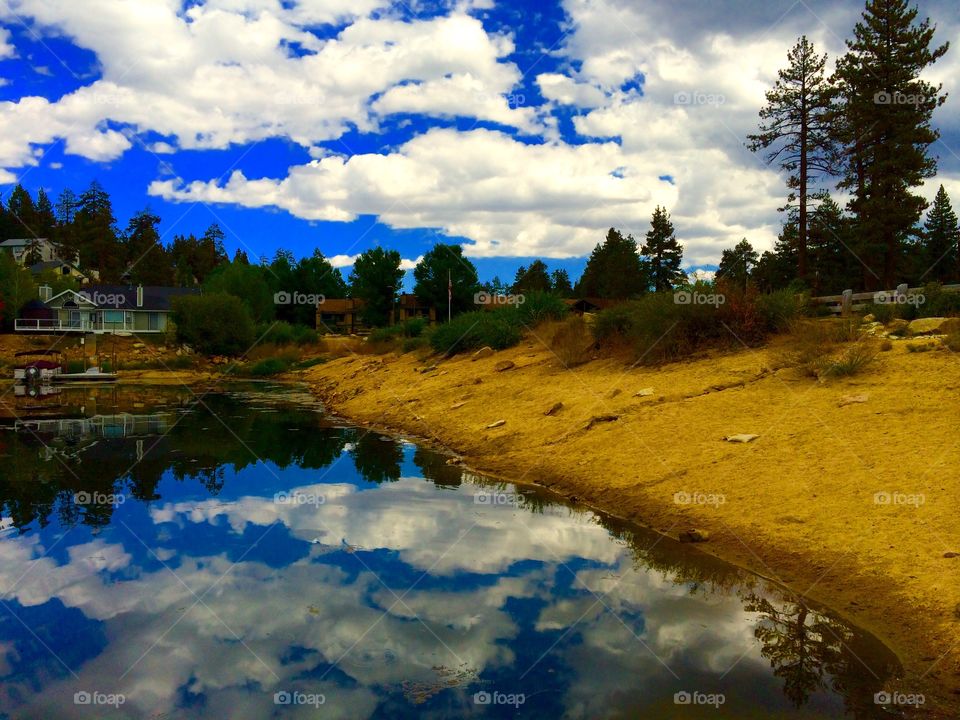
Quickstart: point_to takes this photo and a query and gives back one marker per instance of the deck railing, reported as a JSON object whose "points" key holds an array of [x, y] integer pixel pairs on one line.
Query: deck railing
{"points": [[848, 301]]}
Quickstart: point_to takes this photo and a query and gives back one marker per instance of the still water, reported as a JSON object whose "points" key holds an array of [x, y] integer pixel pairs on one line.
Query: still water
{"points": [[238, 554]]}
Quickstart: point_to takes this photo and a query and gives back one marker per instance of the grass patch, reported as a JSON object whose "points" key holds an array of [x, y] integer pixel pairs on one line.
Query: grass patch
{"points": [[572, 342], [851, 361], [269, 367]]}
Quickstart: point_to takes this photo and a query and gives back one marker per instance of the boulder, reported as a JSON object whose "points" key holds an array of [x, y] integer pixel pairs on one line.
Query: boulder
{"points": [[496, 424], [646, 392], [504, 365], [694, 536], [483, 352], [898, 326], [554, 409], [934, 326], [853, 399], [601, 419], [869, 318]]}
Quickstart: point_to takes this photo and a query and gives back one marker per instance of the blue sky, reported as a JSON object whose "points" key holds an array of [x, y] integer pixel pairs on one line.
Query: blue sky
{"points": [[521, 129]]}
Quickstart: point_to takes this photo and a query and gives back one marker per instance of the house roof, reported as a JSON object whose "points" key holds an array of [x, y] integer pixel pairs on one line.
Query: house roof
{"points": [[339, 305], [124, 297], [53, 265], [21, 242]]}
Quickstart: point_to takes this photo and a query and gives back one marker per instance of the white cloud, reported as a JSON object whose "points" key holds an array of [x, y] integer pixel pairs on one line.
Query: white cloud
{"points": [[342, 261], [7, 50]]}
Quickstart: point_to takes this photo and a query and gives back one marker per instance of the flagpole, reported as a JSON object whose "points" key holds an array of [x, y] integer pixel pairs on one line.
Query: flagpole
{"points": [[449, 295]]}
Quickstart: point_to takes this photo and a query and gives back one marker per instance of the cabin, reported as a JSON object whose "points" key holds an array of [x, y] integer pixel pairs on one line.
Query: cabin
{"points": [[102, 309], [579, 306], [340, 315], [65, 269], [409, 307]]}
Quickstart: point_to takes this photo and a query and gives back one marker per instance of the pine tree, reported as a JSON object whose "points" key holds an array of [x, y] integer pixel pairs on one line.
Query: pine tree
{"points": [[941, 241], [65, 233], [24, 212], [834, 267], [96, 234], [46, 221], [148, 262], [560, 283], [886, 111], [444, 272], [736, 264], [614, 270], [663, 251], [795, 128], [533, 279]]}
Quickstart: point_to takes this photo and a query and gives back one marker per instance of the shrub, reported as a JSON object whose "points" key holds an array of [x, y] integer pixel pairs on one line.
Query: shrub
{"points": [[411, 328], [473, 330], [886, 346], [269, 366], [309, 363], [780, 309], [938, 303], [572, 342], [303, 335], [213, 324], [414, 343], [851, 361], [883, 312], [538, 307]]}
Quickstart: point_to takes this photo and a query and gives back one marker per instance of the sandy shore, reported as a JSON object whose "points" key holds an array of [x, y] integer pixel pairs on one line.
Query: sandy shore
{"points": [[848, 496]]}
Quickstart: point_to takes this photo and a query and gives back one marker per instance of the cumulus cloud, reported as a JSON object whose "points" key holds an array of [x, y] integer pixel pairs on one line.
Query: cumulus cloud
{"points": [[7, 50]]}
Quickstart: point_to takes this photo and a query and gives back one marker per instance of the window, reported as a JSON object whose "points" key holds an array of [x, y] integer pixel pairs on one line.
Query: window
{"points": [[153, 321], [113, 316]]}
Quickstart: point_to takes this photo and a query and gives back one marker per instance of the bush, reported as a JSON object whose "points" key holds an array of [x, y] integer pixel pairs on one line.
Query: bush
{"points": [[412, 328], [829, 348], [303, 335], [539, 307], [883, 312], [473, 330], [572, 342], [851, 361], [213, 324], [938, 303], [414, 343], [780, 309], [269, 366]]}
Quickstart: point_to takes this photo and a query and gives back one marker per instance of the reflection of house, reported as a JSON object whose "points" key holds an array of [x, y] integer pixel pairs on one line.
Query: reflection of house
{"points": [[103, 309], [339, 315], [410, 306]]}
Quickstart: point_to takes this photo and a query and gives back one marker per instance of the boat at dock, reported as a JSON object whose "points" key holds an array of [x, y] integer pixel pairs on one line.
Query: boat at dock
{"points": [[34, 366]]}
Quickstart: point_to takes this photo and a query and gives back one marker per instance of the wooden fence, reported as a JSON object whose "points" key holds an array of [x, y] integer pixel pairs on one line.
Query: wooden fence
{"points": [[849, 301]]}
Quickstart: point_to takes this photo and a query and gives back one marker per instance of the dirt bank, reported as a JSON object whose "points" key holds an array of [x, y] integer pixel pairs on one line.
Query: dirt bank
{"points": [[848, 495]]}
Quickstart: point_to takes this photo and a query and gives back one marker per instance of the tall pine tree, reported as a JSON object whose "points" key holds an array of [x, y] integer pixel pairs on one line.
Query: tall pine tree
{"points": [[941, 241], [615, 270], [886, 111], [795, 130], [663, 251]]}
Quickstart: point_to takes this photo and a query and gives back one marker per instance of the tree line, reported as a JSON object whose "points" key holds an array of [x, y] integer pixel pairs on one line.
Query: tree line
{"points": [[866, 130]]}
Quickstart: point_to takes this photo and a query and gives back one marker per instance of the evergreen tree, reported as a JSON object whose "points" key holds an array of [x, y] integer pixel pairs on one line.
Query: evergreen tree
{"points": [[833, 266], [941, 241], [886, 130], [65, 233], [24, 213], [664, 252], [46, 221], [534, 279], [96, 234], [795, 127], [736, 264], [614, 270], [441, 267], [376, 279], [241, 257], [560, 283], [316, 276], [777, 269], [148, 261]]}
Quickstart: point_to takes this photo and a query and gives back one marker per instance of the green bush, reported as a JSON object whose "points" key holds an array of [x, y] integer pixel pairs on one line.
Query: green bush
{"points": [[664, 327], [538, 307], [213, 324], [414, 343], [412, 328], [938, 303], [269, 366], [303, 335], [473, 330], [883, 312]]}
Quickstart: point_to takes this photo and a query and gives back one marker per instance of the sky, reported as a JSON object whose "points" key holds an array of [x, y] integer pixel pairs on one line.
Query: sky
{"points": [[520, 129]]}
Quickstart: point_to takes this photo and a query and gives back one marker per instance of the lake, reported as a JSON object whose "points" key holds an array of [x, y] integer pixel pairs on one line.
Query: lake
{"points": [[177, 553]]}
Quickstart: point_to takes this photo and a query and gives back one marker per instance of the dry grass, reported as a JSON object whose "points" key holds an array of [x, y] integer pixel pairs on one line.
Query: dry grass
{"points": [[572, 342], [828, 348]]}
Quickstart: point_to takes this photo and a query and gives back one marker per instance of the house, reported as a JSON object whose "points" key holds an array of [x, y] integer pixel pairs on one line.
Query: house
{"points": [[340, 315], [20, 248], [410, 306], [64, 269], [580, 306], [102, 309]]}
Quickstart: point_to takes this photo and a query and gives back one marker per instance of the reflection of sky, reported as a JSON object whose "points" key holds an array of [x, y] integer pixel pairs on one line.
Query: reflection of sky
{"points": [[205, 607]]}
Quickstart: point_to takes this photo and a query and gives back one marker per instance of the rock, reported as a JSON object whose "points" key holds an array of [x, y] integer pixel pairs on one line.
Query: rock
{"points": [[454, 461], [614, 393], [934, 326], [741, 438], [429, 368], [483, 352], [897, 326], [869, 318], [457, 406], [853, 399], [951, 554], [554, 409], [601, 419], [646, 392], [694, 536], [498, 423], [504, 365], [139, 345]]}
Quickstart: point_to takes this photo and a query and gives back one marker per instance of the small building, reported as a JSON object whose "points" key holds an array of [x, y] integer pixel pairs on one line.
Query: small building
{"points": [[104, 309], [340, 315], [20, 248], [63, 269], [409, 306], [580, 306]]}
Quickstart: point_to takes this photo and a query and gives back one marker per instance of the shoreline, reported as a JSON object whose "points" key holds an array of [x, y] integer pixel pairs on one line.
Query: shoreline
{"points": [[380, 393]]}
